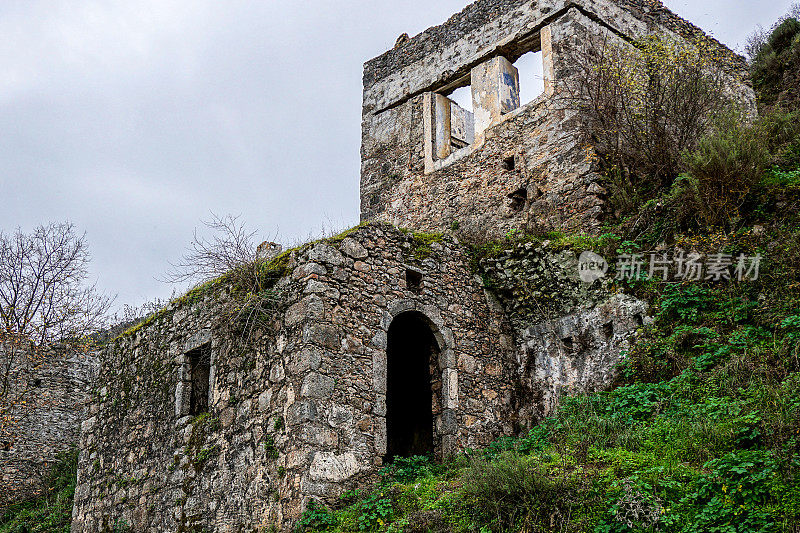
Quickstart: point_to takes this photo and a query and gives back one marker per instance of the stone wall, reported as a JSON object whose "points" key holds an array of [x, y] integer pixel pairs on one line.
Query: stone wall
{"points": [[49, 393], [530, 169], [301, 411], [570, 335]]}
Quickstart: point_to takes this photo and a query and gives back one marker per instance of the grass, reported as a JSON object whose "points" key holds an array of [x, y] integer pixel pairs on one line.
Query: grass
{"points": [[50, 512]]}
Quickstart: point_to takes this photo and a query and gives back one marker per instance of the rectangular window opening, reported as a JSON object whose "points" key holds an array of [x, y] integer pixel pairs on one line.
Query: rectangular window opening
{"points": [[199, 361], [456, 121], [531, 76], [463, 97], [413, 280]]}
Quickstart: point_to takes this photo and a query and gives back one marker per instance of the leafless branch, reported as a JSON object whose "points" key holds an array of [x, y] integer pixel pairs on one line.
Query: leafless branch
{"points": [[230, 247], [231, 251], [46, 307]]}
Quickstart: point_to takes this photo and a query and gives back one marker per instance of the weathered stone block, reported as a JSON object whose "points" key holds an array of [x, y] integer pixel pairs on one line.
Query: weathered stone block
{"points": [[495, 91], [324, 253], [301, 411], [329, 466], [316, 385], [323, 335], [353, 248]]}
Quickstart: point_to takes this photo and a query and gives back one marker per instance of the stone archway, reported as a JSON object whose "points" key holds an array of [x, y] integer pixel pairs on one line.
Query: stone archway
{"points": [[412, 353]]}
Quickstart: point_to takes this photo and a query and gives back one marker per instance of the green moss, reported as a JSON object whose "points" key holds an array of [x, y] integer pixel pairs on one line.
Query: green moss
{"points": [[270, 449], [346, 233], [203, 427], [422, 244]]}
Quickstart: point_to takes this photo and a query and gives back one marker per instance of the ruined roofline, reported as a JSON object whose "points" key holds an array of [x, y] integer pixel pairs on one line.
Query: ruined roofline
{"points": [[483, 12], [278, 267]]}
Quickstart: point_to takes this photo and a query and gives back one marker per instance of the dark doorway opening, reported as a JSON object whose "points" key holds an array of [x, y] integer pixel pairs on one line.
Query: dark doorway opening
{"points": [[412, 356]]}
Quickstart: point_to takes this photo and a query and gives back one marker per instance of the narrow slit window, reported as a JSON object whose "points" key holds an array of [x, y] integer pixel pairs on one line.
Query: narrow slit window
{"points": [[199, 361]]}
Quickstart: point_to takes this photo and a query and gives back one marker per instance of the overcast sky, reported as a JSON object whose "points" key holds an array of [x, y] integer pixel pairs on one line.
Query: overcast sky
{"points": [[135, 119]]}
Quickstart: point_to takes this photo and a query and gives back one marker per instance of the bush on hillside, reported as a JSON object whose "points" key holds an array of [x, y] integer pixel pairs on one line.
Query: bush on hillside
{"points": [[727, 163], [776, 66], [51, 512], [643, 107]]}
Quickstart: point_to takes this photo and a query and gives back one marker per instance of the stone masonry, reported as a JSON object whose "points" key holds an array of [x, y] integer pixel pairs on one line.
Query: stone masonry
{"points": [[515, 167], [302, 412], [49, 393]]}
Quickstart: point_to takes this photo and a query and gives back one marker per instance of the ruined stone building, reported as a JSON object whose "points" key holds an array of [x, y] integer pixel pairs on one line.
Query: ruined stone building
{"points": [[384, 341], [46, 397]]}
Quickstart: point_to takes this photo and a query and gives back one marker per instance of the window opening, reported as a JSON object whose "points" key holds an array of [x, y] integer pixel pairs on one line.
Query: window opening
{"points": [[199, 374]]}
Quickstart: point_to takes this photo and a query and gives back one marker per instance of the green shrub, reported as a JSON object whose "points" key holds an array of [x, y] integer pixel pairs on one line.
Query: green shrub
{"points": [[733, 496], [407, 469], [727, 164], [51, 512], [775, 67], [375, 510], [316, 517], [514, 492], [685, 304]]}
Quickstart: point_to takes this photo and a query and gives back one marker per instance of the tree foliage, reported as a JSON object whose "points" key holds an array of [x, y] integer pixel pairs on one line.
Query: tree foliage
{"points": [[775, 61], [643, 106]]}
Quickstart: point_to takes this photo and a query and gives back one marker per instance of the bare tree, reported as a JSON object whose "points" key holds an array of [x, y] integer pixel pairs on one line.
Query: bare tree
{"points": [[46, 307], [230, 246], [231, 252], [642, 107]]}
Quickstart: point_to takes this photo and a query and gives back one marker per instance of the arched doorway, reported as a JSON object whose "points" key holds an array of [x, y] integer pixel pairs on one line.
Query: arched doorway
{"points": [[412, 361]]}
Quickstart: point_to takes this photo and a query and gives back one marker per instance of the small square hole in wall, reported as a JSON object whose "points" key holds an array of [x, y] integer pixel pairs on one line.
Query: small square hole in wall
{"points": [[5, 446], [608, 330], [199, 361], [413, 280], [569, 344], [37, 382], [639, 319], [509, 163], [518, 199]]}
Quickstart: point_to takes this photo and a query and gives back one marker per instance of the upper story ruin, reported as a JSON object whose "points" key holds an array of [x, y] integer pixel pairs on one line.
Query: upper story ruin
{"points": [[430, 163]]}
